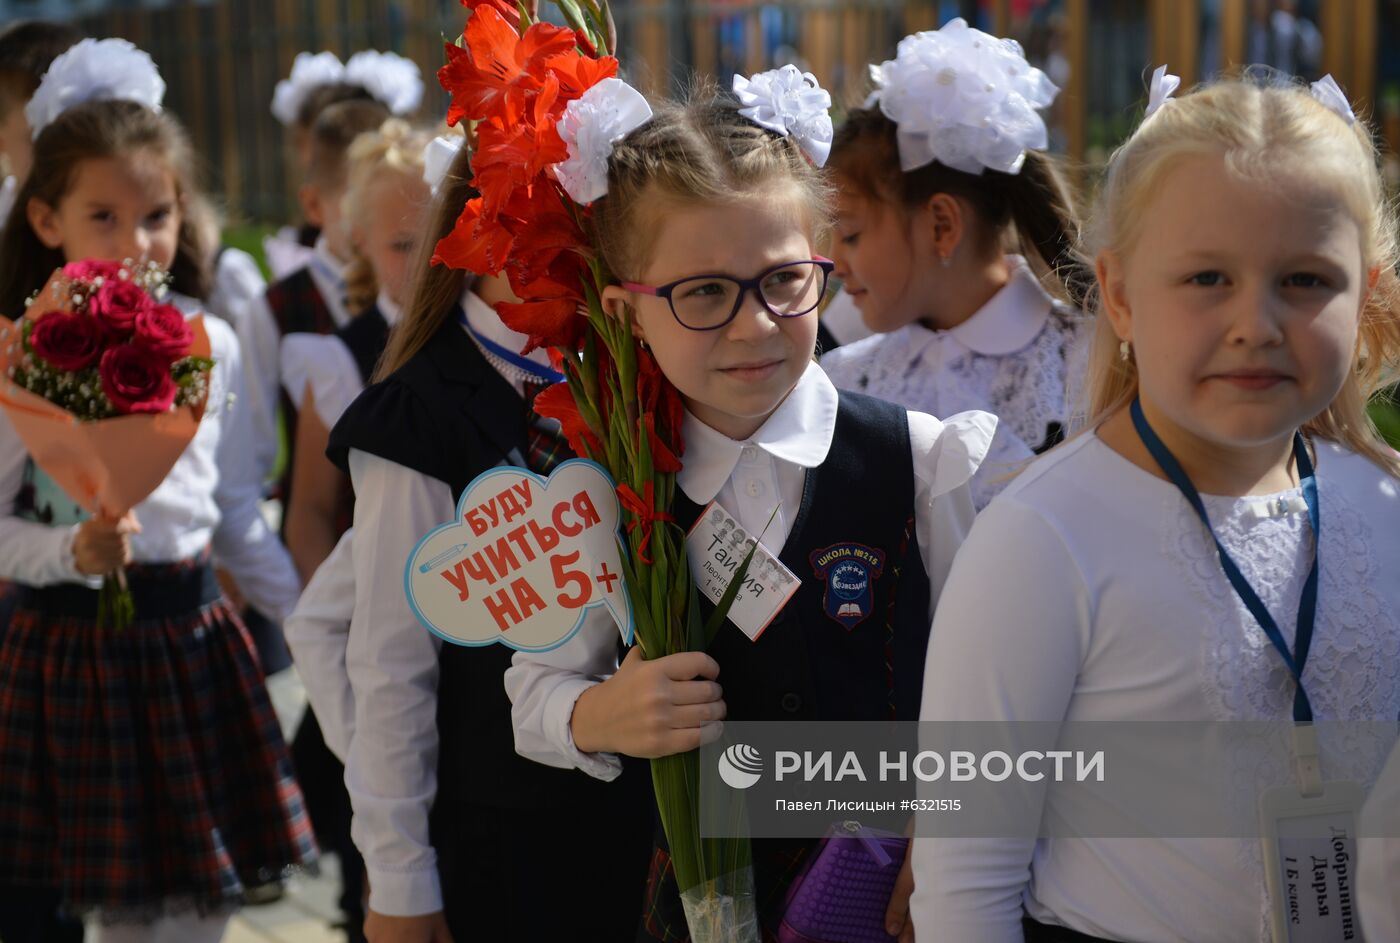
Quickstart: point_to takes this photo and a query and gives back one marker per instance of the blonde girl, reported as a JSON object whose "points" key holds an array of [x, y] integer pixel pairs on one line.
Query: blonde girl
{"points": [[1247, 310]]}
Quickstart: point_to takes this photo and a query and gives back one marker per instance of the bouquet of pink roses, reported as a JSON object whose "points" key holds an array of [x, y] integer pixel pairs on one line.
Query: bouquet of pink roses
{"points": [[106, 385]]}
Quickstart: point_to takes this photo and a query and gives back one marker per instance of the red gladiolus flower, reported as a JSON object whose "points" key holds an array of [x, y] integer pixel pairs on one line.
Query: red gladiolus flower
{"points": [[475, 244], [66, 341], [549, 323], [137, 379], [490, 78], [506, 8], [663, 458], [556, 402], [577, 74]]}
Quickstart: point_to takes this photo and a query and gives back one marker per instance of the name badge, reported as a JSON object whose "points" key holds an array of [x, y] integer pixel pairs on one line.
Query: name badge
{"points": [[1310, 862], [715, 547]]}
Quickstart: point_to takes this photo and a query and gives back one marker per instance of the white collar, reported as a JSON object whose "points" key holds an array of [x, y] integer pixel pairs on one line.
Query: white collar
{"points": [[799, 432], [484, 321], [325, 263], [387, 308], [1011, 319]]}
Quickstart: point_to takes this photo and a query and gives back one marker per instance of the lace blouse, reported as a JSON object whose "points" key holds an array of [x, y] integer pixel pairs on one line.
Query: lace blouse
{"points": [[1091, 592], [1012, 358]]}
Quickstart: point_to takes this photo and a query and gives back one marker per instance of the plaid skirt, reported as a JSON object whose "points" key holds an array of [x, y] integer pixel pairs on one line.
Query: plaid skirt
{"points": [[142, 770]]}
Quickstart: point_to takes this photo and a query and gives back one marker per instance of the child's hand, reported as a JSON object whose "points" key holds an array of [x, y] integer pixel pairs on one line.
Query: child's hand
{"points": [[651, 708], [429, 928], [897, 922], [102, 545]]}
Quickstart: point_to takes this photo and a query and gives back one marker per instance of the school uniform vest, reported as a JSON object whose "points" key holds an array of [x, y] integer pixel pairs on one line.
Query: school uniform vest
{"points": [[365, 337], [449, 415], [298, 308], [850, 643]]}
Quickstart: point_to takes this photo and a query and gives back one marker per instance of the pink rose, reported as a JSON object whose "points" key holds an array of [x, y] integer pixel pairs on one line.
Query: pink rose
{"points": [[89, 269], [66, 341], [163, 329], [116, 304], [137, 379]]}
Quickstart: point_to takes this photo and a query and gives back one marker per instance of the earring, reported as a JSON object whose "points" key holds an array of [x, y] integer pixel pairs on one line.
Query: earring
{"points": [[945, 260], [1125, 350]]}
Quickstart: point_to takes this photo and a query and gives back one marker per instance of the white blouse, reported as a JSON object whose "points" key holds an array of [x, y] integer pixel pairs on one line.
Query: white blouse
{"points": [[391, 662], [317, 632], [262, 342], [323, 363], [285, 253], [209, 498], [1013, 358], [1090, 591], [748, 478], [238, 282]]}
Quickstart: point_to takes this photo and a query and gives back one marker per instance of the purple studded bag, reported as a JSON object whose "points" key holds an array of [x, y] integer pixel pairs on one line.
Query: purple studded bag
{"points": [[842, 894]]}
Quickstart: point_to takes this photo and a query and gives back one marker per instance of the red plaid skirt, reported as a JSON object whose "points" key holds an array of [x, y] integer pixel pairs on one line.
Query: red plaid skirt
{"points": [[142, 769]]}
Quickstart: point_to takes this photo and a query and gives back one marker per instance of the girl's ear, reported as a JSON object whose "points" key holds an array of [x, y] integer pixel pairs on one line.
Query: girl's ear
{"points": [[1112, 291], [949, 223], [616, 300], [43, 219], [310, 198]]}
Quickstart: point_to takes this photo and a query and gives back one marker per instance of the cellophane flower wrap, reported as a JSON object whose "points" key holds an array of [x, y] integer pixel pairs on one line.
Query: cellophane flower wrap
{"points": [[513, 80], [106, 385]]}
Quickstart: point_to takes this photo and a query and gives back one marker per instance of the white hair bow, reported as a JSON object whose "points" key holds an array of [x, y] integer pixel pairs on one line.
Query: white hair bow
{"points": [[438, 158], [963, 98], [790, 102], [394, 81], [95, 70], [592, 124], [1327, 91], [309, 72], [1160, 92]]}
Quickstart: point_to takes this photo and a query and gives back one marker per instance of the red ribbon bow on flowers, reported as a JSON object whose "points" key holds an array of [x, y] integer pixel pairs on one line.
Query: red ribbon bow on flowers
{"points": [[644, 507]]}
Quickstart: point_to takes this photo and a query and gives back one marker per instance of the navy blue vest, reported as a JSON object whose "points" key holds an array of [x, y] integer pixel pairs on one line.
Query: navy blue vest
{"points": [[448, 414], [850, 643]]}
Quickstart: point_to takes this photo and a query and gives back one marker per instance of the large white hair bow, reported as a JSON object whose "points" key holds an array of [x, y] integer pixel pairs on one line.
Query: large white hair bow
{"points": [[394, 81], [963, 98], [95, 70], [790, 102], [592, 124], [309, 72]]}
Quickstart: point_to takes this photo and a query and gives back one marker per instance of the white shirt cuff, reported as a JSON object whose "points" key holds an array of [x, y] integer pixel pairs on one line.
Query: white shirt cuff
{"points": [[560, 714], [396, 893]]}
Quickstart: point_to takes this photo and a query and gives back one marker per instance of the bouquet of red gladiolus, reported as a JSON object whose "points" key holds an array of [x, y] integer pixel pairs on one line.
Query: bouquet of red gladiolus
{"points": [[105, 385], [514, 80]]}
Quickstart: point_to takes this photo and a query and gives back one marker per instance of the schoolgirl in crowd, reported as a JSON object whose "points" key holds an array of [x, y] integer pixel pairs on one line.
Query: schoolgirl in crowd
{"points": [[316, 82], [933, 177], [711, 221], [143, 777], [451, 821], [1216, 546]]}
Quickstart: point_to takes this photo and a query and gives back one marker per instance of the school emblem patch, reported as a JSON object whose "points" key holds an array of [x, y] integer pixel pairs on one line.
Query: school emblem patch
{"points": [[849, 571]]}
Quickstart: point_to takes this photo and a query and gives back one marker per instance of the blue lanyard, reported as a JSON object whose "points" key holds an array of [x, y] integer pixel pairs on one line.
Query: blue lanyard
{"points": [[542, 373], [1307, 605]]}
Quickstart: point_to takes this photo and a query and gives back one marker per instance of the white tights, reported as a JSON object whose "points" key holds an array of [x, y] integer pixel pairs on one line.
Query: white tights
{"points": [[187, 928]]}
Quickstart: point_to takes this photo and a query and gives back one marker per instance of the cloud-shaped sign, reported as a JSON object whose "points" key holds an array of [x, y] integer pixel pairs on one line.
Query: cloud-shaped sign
{"points": [[524, 561]]}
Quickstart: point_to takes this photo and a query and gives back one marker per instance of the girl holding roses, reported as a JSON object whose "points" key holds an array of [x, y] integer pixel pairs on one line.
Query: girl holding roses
{"points": [[143, 777]]}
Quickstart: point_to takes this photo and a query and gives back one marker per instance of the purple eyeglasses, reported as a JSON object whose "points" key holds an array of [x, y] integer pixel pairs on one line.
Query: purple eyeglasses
{"points": [[709, 302]]}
